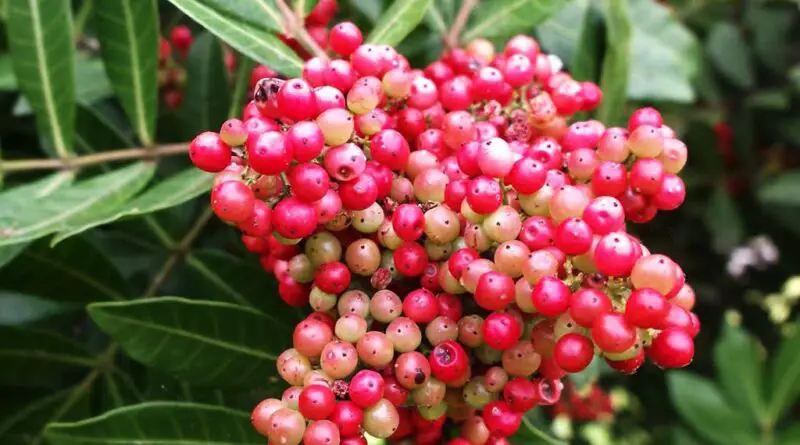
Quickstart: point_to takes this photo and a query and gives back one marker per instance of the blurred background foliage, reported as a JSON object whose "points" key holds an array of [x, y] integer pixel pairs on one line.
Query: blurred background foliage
{"points": [[726, 73]]}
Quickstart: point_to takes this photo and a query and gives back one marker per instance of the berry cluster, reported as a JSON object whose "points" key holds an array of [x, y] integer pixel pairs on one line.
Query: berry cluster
{"points": [[463, 247], [588, 405]]}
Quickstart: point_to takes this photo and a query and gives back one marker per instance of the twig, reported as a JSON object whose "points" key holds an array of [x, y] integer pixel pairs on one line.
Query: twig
{"points": [[460, 22], [294, 25], [94, 158]]}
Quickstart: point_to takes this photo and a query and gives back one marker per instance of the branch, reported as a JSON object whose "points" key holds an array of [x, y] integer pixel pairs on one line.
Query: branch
{"points": [[94, 158], [460, 22], [294, 24]]}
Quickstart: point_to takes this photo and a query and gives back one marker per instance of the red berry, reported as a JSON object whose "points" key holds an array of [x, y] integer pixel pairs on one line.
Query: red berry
{"points": [[316, 402], [232, 201], [495, 291], [345, 38], [551, 297], [296, 100], [672, 348], [333, 277], [309, 182], [520, 394], [449, 361], [501, 330], [646, 308], [410, 259], [366, 388], [209, 153], [269, 154], [294, 219], [501, 419], [587, 304], [612, 333], [573, 352], [421, 306]]}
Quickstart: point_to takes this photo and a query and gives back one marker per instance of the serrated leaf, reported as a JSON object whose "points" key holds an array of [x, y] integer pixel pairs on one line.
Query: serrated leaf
{"points": [[739, 366], [221, 276], [40, 40], [202, 342], [666, 53], [19, 309], [74, 271], [504, 18], [785, 387], [723, 220], [250, 40], [19, 197], [617, 62], [31, 357], [171, 192], [129, 35], [730, 54], [398, 21], [208, 95], [162, 423], [701, 405], [73, 206], [575, 45]]}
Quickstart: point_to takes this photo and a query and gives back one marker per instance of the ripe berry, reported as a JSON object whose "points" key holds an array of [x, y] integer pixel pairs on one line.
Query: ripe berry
{"points": [[672, 348], [366, 388], [501, 330], [317, 402], [551, 297], [209, 153], [501, 419], [495, 291], [646, 308], [232, 201], [587, 304], [573, 352], [612, 333], [448, 361]]}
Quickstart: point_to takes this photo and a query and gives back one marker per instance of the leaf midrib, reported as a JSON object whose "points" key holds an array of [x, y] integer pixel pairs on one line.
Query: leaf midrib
{"points": [[47, 89], [492, 19], [138, 95], [190, 335]]}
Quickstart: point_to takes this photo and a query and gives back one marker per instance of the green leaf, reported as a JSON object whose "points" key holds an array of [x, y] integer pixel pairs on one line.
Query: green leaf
{"points": [[435, 18], [8, 82], [371, 9], [40, 39], [262, 13], [701, 406], [504, 18], [208, 93], [202, 342], [779, 199], [252, 41], [162, 423], [73, 206], [723, 220], [129, 35], [666, 53], [398, 21], [74, 271], [575, 45], [730, 54], [171, 192], [32, 358], [91, 86], [102, 126], [304, 6], [771, 26], [29, 415], [785, 376], [617, 62], [790, 436], [16, 199], [221, 276], [739, 364], [19, 309]]}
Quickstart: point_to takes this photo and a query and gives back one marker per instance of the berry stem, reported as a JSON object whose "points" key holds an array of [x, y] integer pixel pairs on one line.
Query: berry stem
{"points": [[460, 22], [294, 25], [92, 159], [539, 433]]}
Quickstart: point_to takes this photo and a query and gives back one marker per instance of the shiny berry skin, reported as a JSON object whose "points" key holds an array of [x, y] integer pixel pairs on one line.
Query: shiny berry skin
{"points": [[359, 193], [646, 176], [612, 333], [646, 308], [645, 116], [551, 297], [366, 388], [501, 419], [537, 233], [672, 348], [309, 182], [587, 304], [294, 219], [348, 417], [671, 193], [270, 154], [209, 153], [460, 259], [421, 306], [448, 361], [615, 254], [296, 100], [345, 38], [609, 179], [317, 402], [527, 176], [259, 224], [484, 195], [390, 148], [501, 330], [232, 201], [333, 277], [573, 236], [408, 222], [604, 214], [573, 352], [520, 394], [410, 259], [495, 291]]}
